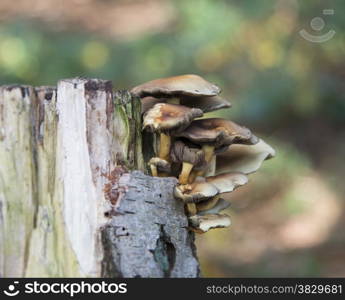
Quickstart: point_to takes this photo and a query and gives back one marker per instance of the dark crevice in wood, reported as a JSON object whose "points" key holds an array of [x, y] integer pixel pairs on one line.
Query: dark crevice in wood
{"points": [[164, 253]]}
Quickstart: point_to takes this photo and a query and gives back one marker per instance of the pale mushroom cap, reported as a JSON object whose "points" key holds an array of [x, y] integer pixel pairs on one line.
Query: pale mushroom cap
{"points": [[205, 188], [227, 182], [244, 158], [161, 164], [163, 117], [217, 131], [206, 104], [211, 221], [195, 192], [191, 85]]}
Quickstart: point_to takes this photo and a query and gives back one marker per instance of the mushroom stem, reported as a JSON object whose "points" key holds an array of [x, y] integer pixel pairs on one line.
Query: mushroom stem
{"points": [[164, 148], [154, 170], [191, 208], [184, 175], [209, 151], [206, 205], [173, 100]]}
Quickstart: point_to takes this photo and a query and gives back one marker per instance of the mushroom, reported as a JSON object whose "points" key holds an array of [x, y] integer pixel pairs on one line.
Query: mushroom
{"points": [[187, 85], [206, 188], [190, 157], [206, 104], [244, 158], [159, 165], [189, 90], [216, 134], [202, 224], [212, 206], [166, 119]]}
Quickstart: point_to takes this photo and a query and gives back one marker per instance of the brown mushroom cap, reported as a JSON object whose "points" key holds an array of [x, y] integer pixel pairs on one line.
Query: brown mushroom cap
{"points": [[217, 131], [165, 117], [244, 158], [182, 152], [190, 85], [203, 224]]}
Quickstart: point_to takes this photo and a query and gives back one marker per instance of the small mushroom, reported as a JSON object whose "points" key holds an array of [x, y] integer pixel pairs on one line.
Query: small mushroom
{"points": [[202, 224], [190, 157], [166, 119], [216, 134], [244, 158], [195, 192], [188, 85], [159, 165], [206, 188]]}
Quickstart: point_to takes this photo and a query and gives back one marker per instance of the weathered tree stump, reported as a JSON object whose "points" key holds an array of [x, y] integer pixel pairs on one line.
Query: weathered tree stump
{"points": [[74, 196]]}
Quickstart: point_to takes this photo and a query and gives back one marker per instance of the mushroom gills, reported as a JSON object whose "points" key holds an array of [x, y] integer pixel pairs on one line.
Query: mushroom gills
{"points": [[173, 100], [217, 208], [207, 204]]}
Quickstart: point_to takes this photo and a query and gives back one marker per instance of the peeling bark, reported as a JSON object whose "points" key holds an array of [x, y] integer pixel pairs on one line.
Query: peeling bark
{"points": [[71, 203]]}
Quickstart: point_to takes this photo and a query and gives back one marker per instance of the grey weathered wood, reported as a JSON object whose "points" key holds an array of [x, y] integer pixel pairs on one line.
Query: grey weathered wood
{"points": [[67, 188], [17, 173], [149, 236]]}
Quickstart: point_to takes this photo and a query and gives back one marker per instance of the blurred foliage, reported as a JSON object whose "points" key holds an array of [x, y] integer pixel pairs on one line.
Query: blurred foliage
{"points": [[286, 88], [252, 50]]}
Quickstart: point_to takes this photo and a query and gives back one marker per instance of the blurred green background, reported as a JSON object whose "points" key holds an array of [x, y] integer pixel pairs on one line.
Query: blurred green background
{"points": [[289, 221]]}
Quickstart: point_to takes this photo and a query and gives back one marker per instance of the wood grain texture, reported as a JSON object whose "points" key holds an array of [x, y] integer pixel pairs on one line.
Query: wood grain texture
{"points": [[68, 186]]}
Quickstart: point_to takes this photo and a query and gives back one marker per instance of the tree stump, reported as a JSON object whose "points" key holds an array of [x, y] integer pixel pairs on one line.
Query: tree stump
{"points": [[74, 197]]}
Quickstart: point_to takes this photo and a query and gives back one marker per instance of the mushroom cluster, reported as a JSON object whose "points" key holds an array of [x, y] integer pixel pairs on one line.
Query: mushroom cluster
{"points": [[209, 156]]}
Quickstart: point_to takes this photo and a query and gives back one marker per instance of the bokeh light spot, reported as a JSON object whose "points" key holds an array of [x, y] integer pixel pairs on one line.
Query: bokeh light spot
{"points": [[95, 55], [158, 60], [12, 53], [210, 57], [266, 54]]}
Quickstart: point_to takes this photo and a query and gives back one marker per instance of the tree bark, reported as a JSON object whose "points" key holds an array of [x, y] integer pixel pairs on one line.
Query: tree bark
{"points": [[74, 196]]}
